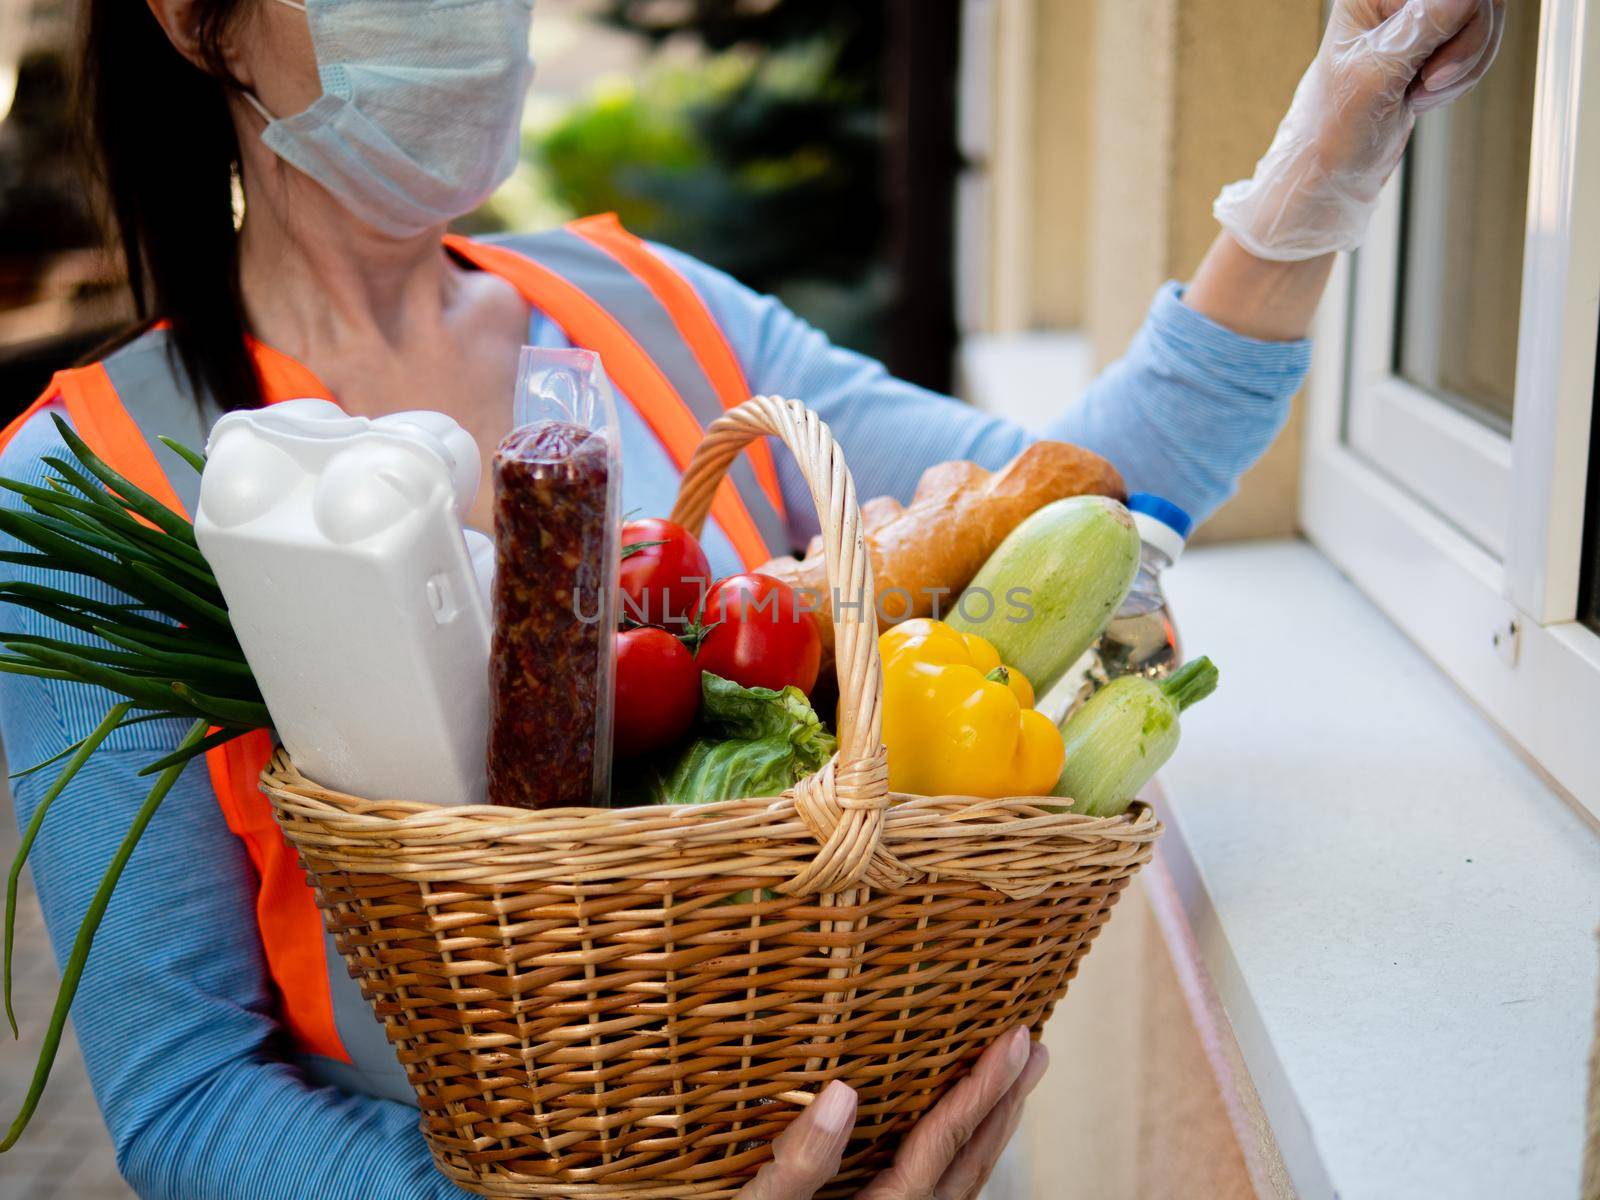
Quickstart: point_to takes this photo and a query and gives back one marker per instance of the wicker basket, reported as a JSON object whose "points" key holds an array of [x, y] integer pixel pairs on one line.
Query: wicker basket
{"points": [[621, 1004]]}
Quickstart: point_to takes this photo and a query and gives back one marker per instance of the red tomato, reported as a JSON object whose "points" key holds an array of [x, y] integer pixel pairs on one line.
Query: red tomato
{"points": [[664, 572], [759, 635], [658, 690]]}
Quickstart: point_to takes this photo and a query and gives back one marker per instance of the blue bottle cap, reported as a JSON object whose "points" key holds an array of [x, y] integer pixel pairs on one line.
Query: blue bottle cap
{"points": [[1163, 510]]}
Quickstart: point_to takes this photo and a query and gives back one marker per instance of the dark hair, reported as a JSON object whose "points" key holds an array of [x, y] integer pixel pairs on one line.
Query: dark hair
{"points": [[162, 145]]}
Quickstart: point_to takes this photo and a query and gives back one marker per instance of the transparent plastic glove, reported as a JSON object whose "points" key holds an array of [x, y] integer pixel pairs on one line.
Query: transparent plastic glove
{"points": [[950, 1152], [1381, 63]]}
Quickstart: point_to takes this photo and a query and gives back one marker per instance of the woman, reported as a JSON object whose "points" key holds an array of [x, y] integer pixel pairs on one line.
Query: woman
{"points": [[227, 1056]]}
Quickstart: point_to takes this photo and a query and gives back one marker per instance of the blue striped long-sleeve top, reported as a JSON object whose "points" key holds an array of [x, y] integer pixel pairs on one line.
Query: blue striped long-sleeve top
{"points": [[175, 1013]]}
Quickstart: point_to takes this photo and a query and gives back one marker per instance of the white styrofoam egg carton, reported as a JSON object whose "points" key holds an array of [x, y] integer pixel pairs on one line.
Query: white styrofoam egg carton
{"points": [[358, 596]]}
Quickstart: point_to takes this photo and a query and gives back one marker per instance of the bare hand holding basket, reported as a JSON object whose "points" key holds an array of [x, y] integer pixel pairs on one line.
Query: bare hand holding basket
{"points": [[629, 1004], [951, 1152]]}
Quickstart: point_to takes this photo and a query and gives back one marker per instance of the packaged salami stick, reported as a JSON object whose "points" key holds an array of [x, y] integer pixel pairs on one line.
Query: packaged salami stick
{"points": [[557, 521]]}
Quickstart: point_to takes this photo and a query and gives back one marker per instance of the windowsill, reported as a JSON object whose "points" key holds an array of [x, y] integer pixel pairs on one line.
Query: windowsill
{"points": [[1396, 912], [1023, 376]]}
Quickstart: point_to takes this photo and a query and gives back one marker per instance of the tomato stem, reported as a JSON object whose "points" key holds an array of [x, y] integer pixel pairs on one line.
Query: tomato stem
{"points": [[695, 633], [633, 548]]}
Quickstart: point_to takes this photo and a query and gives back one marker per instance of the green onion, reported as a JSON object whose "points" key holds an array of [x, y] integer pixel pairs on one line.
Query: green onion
{"points": [[193, 457], [168, 653], [85, 940], [120, 489], [80, 756]]}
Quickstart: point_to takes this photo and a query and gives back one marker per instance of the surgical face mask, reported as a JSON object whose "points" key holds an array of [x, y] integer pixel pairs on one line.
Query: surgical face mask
{"points": [[421, 106]]}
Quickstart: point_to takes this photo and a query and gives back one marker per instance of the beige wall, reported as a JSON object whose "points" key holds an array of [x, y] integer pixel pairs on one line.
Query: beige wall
{"points": [[1132, 116], [1131, 1108], [1063, 161], [1129, 230], [1187, 95]]}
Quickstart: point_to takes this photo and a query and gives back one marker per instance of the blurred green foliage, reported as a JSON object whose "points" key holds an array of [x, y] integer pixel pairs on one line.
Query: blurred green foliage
{"points": [[762, 158]]}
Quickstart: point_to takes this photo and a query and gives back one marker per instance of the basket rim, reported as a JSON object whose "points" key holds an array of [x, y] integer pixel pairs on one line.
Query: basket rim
{"points": [[1012, 845], [398, 818]]}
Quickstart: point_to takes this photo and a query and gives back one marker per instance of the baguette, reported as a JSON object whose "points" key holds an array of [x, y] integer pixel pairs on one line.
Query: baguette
{"points": [[930, 549]]}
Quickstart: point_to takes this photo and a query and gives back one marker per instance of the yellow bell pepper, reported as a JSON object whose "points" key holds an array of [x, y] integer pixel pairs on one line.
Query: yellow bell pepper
{"points": [[958, 723]]}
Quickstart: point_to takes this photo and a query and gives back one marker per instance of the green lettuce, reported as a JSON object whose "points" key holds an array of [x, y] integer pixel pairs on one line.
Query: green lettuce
{"points": [[752, 742]]}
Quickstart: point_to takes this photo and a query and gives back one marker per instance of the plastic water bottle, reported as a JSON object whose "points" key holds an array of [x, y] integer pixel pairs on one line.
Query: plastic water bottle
{"points": [[1142, 638]]}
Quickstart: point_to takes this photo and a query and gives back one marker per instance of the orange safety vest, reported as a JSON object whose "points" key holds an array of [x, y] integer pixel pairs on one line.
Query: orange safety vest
{"points": [[662, 349]]}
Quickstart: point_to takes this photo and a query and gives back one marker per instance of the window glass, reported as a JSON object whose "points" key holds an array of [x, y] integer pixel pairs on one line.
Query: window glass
{"points": [[1589, 585], [1461, 267]]}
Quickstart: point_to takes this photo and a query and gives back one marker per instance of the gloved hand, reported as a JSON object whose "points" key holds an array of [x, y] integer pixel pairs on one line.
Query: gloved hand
{"points": [[948, 1155], [1381, 63]]}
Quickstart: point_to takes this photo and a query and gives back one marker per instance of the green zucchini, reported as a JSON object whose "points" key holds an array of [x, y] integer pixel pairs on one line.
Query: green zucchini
{"points": [[1053, 586], [1125, 734]]}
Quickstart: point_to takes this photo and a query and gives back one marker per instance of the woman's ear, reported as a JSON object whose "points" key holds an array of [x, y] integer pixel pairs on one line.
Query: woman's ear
{"points": [[179, 21]]}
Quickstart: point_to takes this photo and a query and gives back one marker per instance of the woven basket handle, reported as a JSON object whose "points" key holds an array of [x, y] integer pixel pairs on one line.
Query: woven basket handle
{"points": [[844, 803]]}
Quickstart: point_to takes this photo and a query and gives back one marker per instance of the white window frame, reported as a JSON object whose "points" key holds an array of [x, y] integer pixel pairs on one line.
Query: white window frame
{"points": [[1469, 541], [1452, 461]]}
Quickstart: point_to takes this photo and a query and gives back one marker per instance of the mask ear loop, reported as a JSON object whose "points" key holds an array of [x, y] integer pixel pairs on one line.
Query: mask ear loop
{"points": [[255, 103], [250, 98]]}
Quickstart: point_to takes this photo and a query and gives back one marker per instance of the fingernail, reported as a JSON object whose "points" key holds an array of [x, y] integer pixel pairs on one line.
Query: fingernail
{"points": [[1017, 1052], [1038, 1064], [1445, 76], [836, 1108]]}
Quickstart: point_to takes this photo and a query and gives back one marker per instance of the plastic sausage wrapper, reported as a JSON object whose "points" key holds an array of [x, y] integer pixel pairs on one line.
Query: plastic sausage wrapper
{"points": [[557, 520]]}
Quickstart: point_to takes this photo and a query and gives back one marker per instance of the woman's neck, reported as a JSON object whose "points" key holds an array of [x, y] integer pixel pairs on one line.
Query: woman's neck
{"points": [[386, 324], [317, 281]]}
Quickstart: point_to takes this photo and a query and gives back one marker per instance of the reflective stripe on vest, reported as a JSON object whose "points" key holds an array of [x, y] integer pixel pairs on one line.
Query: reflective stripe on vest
{"points": [[694, 321], [677, 370], [99, 418], [724, 384], [603, 306]]}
